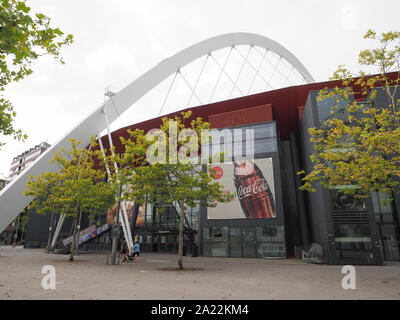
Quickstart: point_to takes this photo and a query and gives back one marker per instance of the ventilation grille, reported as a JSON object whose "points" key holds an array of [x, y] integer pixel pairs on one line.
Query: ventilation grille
{"points": [[350, 217]]}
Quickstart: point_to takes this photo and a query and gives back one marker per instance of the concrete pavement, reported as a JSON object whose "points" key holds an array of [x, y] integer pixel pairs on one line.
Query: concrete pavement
{"points": [[89, 277]]}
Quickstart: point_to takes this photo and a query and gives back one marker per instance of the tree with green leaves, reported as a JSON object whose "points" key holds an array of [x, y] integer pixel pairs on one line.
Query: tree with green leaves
{"points": [[24, 37], [78, 186], [176, 176], [20, 224], [357, 148]]}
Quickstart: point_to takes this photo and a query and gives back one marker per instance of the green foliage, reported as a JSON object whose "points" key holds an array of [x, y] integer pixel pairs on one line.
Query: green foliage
{"points": [[358, 147], [168, 181], [21, 222], [24, 37], [77, 184]]}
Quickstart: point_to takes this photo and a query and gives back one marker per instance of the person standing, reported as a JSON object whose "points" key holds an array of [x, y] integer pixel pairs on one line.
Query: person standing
{"points": [[136, 251]]}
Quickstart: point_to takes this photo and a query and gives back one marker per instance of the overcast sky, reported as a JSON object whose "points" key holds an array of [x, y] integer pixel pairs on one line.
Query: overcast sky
{"points": [[117, 41]]}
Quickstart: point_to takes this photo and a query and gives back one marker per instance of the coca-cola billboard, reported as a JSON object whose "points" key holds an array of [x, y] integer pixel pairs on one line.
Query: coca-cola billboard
{"points": [[253, 183]]}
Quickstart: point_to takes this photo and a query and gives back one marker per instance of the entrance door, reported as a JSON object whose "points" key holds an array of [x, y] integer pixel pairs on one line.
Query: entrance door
{"points": [[388, 226], [235, 242], [351, 222], [249, 242], [389, 234]]}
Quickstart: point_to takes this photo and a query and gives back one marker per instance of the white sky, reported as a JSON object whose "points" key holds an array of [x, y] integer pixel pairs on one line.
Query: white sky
{"points": [[117, 41]]}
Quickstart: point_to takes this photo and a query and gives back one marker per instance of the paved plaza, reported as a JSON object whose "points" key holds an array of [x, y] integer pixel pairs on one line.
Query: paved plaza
{"points": [[89, 277]]}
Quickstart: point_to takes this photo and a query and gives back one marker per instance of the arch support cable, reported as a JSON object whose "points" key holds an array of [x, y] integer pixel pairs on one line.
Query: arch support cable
{"points": [[189, 86], [198, 79], [223, 72], [284, 76], [258, 70], [289, 74], [273, 72], [169, 90], [240, 71], [255, 70]]}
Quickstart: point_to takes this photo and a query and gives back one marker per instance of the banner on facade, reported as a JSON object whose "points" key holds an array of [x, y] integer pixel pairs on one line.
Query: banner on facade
{"points": [[88, 233], [253, 183], [111, 212]]}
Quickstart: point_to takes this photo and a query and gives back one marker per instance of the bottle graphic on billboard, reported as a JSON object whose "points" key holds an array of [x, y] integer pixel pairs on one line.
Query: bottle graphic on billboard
{"points": [[253, 191]]}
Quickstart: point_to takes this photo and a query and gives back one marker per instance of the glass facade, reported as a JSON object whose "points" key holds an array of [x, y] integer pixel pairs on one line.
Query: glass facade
{"points": [[353, 219], [100, 243], [264, 238], [270, 242], [216, 241], [341, 201], [245, 242], [350, 227], [168, 215], [325, 108], [159, 232], [233, 140], [388, 225]]}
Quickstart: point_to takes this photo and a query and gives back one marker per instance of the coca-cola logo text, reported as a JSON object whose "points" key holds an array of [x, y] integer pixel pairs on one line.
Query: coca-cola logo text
{"points": [[259, 186]]}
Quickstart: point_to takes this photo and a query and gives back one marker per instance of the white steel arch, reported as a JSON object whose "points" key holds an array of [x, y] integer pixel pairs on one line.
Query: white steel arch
{"points": [[12, 198]]}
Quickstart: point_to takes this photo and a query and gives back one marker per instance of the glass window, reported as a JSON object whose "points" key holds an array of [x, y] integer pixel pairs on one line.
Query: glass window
{"points": [[196, 208], [341, 201], [390, 241], [216, 241], [325, 106], [352, 233], [383, 207], [381, 202], [265, 145], [275, 233], [264, 139], [353, 241], [149, 212], [249, 244], [387, 217], [235, 242], [248, 234], [216, 233], [270, 242], [265, 130]]}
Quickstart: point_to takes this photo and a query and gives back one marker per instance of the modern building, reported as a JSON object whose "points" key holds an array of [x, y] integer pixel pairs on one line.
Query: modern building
{"points": [[3, 183], [19, 164], [6, 235], [270, 217], [349, 231], [26, 158]]}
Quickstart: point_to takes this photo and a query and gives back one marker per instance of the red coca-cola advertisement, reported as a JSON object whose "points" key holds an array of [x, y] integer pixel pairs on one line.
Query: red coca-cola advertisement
{"points": [[253, 183]]}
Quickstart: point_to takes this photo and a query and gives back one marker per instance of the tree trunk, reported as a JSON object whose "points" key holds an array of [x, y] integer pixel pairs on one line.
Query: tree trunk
{"points": [[116, 237], [79, 231], [180, 250], [50, 232], [71, 257]]}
